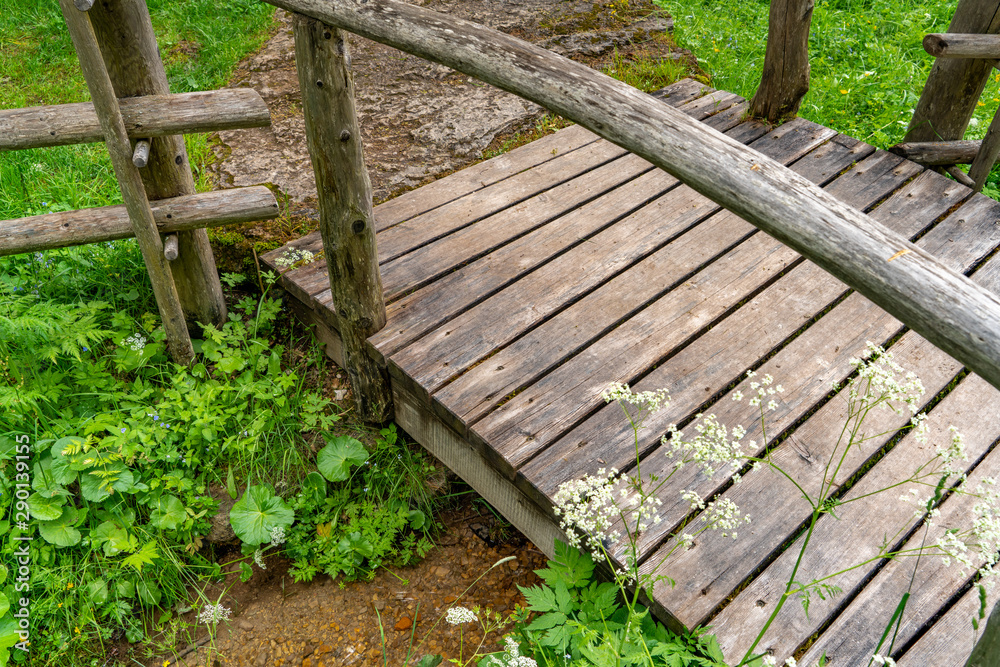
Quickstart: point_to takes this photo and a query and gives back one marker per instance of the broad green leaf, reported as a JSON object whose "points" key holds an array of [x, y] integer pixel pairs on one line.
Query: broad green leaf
{"points": [[114, 538], [338, 457], [46, 508], [231, 484], [231, 364], [148, 593], [3, 573], [257, 512], [61, 532], [62, 472], [9, 635], [430, 661], [98, 591], [4, 604], [549, 620], [125, 588], [539, 598], [314, 487], [246, 572], [417, 519], [168, 514]]}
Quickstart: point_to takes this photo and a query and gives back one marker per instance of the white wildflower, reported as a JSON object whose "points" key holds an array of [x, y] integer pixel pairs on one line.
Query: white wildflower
{"points": [[277, 535], [135, 342], [460, 615], [712, 448], [294, 256], [768, 661], [258, 557], [724, 515], [642, 404], [511, 656], [586, 507], [213, 613], [880, 380]]}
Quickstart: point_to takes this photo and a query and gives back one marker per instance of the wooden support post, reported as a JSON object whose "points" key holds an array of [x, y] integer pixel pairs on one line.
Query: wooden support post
{"points": [[140, 156], [785, 80], [347, 223], [106, 105], [987, 650], [128, 44], [987, 155], [955, 85]]}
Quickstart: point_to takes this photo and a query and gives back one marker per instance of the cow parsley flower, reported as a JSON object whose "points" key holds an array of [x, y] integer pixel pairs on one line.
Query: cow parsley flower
{"points": [[511, 656], [213, 613], [277, 535], [460, 615]]}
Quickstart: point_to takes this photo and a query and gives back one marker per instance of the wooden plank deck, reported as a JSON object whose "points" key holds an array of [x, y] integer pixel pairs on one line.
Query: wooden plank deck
{"points": [[519, 288]]}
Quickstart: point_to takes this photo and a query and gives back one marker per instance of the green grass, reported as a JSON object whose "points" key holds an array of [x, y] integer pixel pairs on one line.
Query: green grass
{"points": [[201, 41], [868, 65]]}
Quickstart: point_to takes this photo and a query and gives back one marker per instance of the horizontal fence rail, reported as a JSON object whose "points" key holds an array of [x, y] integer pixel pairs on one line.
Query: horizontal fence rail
{"points": [[961, 318], [145, 117], [110, 223]]}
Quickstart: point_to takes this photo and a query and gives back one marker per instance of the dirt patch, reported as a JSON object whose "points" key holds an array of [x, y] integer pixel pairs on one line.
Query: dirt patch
{"points": [[419, 119], [279, 623]]}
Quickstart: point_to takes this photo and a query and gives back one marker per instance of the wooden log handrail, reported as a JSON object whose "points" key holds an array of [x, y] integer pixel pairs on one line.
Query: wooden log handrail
{"points": [[956, 45], [938, 153], [145, 117], [958, 316], [111, 223]]}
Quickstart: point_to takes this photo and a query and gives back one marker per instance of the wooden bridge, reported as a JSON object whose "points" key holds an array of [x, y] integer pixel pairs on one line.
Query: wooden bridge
{"points": [[519, 288], [487, 311]]}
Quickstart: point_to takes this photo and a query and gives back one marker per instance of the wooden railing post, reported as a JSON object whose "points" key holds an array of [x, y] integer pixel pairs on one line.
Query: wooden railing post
{"points": [[785, 80], [955, 84], [131, 57], [139, 213], [347, 223]]}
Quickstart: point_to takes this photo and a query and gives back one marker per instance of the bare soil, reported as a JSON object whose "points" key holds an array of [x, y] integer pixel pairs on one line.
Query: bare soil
{"points": [[419, 121]]}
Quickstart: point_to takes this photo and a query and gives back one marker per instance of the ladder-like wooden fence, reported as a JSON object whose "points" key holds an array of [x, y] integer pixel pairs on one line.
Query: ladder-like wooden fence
{"points": [[134, 114]]}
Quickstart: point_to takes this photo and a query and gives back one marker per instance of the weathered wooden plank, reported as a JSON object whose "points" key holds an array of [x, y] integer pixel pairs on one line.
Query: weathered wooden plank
{"points": [[508, 314], [944, 307], [955, 85], [705, 368], [946, 643], [852, 637], [820, 356], [476, 392], [955, 45], [861, 525], [347, 223], [145, 117], [95, 225], [129, 181], [545, 410], [452, 450], [427, 263], [428, 227], [785, 79], [426, 308], [140, 154]]}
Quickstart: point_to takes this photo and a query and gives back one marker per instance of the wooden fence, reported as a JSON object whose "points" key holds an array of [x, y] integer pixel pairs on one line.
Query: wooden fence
{"points": [[134, 114]]}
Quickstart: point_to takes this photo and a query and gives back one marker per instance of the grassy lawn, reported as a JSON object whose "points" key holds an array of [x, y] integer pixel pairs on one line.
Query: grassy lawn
{"points": [[201, 41], [867, 63]]}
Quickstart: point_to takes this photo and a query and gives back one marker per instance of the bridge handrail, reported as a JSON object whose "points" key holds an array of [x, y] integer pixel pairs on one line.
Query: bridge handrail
{"points": [[948, 309]]}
